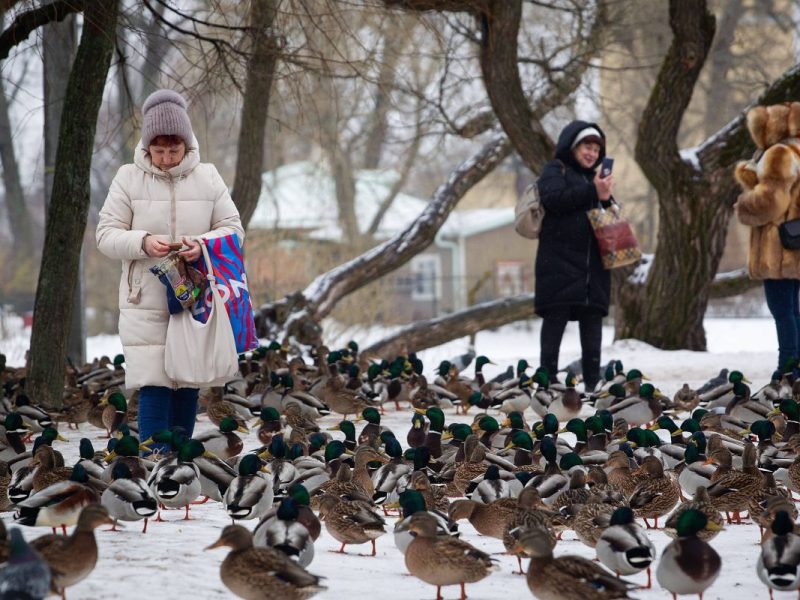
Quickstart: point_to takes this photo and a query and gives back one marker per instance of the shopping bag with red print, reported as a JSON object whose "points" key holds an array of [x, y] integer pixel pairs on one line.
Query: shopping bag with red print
{"points": [[228, 266]]}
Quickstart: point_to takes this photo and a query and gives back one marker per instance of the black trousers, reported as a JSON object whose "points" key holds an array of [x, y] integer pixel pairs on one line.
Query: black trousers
{"points": [[590, 325]]}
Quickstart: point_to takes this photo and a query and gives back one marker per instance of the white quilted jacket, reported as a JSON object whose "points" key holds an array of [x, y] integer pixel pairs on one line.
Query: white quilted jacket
{"points": [[189, 200]]}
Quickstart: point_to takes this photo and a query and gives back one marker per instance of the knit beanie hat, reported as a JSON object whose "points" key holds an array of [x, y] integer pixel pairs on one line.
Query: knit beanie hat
{"points": [[588, 134], [164, 113]]}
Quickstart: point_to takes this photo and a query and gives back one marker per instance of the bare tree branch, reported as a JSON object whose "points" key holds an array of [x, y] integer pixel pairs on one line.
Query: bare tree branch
{"points": [[427, 334], [27, 22]]}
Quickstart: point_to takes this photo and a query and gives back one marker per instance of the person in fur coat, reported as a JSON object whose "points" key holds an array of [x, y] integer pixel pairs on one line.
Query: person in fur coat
{"points": [[771, 196], [571, 283], [166, 196]]}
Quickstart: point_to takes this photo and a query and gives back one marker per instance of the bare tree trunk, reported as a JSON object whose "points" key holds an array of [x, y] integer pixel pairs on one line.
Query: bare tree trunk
{"points": [[66, 218], [255, 108], [158, 45], [59, 41], [19, 218]]}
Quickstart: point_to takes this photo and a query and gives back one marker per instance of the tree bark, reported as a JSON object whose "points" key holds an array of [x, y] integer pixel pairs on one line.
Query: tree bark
{"points": [[668, 310], [59, 40], [66, 217], [255, 108]]}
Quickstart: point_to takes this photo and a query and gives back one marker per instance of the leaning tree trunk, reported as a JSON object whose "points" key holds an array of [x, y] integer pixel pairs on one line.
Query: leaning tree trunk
{"points": [[260, 71], [66, 216]]}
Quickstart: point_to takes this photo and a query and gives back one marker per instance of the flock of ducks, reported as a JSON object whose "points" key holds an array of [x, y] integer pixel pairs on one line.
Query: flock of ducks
{"points": [[605, 464]]}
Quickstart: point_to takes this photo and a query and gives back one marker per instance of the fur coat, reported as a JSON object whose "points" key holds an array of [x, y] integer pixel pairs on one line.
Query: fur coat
{"points": [[190, 200], [771, 189]]}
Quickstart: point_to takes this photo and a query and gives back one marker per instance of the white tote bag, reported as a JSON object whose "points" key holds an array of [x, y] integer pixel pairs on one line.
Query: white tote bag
{"points": [[202, 353]]}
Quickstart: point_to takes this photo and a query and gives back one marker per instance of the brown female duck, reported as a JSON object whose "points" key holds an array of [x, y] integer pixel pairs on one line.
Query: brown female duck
{"points": [[488, 519], [656, 495], [261, 573], [71, 558], [351, 521], [443, 560]]}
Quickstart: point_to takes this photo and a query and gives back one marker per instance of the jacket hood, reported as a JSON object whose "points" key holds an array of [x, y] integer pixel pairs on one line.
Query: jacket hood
{"points": [[141, 159], [568, 135]]}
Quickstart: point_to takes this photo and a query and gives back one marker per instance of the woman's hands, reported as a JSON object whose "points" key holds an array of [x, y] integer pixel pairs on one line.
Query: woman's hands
{"points": [[155, 248], [603, 186], [193, 253]]}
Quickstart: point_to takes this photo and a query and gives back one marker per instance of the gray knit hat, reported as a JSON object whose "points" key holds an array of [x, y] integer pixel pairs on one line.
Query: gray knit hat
{"points": [[164, 113]]}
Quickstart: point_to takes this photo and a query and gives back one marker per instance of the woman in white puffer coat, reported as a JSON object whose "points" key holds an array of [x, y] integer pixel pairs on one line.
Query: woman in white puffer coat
{"points": [[167, 195]]}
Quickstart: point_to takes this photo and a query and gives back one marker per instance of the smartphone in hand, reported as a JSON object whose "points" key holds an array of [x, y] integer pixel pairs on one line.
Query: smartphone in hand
{"points": [[607, 166]]}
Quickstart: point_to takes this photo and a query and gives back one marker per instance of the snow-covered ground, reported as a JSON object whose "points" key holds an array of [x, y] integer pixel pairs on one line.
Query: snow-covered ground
{"points": [[169, 562]]}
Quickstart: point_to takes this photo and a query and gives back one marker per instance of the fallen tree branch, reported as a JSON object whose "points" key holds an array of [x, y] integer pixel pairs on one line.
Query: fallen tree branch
{"points": [[434, 332]]}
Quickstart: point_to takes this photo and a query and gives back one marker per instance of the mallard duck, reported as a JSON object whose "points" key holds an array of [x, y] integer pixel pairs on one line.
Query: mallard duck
{"points": [[638, 409], [685, 399], [732, 490], [217, 409], [491, 487], [115, 412], [175, 480], [335, 393], [298, 419], [656, 495], [249, 495], [128, 498], [435, 496], [566, 577], [725, 393], [215, 474], [268, 423], [47, 473], [689, 565], [567, 405], [26, 574], [530, 513], [349, 431], [778, 562], [59, 504], [15, 429], [351, 521], [443, 560], [418, 430], [516, 398], [412, 502], [282, 530], [388, 477], [696, 471], [764, 513], [487, 519], [72, 558], [589, 520], [223, 442], [35, 417], [126, 450], [251, 572], [702, 502], [473, 465], [624, 547], [373, 427], [619, 472]]}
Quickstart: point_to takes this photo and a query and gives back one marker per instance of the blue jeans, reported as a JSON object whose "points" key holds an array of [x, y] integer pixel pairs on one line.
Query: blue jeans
{"points": [[162, 408], [783, 301]]}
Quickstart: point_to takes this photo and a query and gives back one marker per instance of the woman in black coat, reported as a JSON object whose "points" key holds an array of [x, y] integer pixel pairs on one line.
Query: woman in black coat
{"points": [[571, 283]]}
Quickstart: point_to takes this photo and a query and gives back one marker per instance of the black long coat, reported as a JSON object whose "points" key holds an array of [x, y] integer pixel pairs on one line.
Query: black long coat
{"points": [[569, 271]]}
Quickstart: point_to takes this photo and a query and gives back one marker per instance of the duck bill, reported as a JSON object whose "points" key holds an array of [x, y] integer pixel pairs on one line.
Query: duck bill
{"points": [[218, 544]]}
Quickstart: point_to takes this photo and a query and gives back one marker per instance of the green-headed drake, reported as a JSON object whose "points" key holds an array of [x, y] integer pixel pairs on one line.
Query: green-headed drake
{"points": [[688, 564]]}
